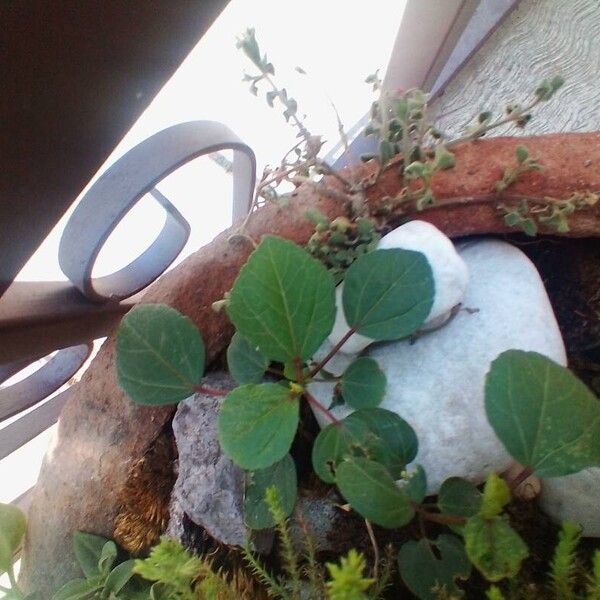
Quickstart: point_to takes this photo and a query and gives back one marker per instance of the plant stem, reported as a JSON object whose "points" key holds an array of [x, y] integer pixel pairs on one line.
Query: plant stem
{"points": [[520, 478], [13, 582], [201, 389], [375, 549], [438, 517], [480, 131], [316, 404], [332, 353]]}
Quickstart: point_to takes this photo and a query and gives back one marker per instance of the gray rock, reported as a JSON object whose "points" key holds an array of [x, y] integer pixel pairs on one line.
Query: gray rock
{"points": [[436, 383], [574, 498], [209, 487]]}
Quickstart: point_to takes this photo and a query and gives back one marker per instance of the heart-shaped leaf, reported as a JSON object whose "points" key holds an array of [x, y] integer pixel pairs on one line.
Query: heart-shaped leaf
{"points": [[548, 420], [12, 529], [459, 498], [246, 364], [283, 301], [363, 384], [88, 551], [494, 547], [374, 433], [388, 293], [371, 491], [160, 355], [257, 424], [282, 475], [425, 573]]}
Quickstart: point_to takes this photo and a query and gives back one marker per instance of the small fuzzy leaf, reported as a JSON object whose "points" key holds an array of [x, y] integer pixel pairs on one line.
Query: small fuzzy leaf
{"points": [[459, 497], [444, 159], [363, 384], [246, 364], [494, 547], [522, 154], [270, 96], [424, 573], [257, 424], [13, 524], [281, 475], [371, 491], [88, 551], [283, 301], [496, 495], [388, 293], [547, 419], [160, 355]]}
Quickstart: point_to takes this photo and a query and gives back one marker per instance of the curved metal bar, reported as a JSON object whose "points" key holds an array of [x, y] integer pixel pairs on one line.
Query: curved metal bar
{"points": [[56, 372], [124, 183]]}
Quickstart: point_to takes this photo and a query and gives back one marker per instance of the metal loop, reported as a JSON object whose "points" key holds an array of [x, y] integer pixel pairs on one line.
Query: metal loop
{"points": [[33, 389], [116, 191]]}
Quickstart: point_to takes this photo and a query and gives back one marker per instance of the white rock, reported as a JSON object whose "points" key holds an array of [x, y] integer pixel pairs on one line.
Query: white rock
{"points": [[450, 275], [437, 383], [574, 498]]}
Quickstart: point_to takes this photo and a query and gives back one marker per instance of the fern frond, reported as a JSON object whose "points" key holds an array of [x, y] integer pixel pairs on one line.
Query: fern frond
{"points": [[386, 570], [288, 553], [273, 587], [563, 565], [593, 587]]}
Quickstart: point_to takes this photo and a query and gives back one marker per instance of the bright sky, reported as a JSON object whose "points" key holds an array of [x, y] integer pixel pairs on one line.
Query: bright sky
{"points": [[331, 41]]}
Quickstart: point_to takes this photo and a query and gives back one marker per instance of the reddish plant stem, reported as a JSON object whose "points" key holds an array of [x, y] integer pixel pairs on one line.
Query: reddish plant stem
{"points": [[332, 353], [438, 517], [316, 404], [201, 389], [520, 478]]}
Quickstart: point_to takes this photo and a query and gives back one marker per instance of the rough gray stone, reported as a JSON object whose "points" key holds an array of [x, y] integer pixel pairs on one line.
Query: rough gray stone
{"points": [[574, 498], [437, 382], [209, 487]]}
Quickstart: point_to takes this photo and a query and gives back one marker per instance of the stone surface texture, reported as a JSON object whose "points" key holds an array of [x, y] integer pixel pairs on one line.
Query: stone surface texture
{"points": [[209, 487], [436, 383], [450, 275], [574, 498]]}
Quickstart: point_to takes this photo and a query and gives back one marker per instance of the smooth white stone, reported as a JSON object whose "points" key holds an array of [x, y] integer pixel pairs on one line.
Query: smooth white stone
{"points": [[437, 382], [574, 498], [450, 275]]}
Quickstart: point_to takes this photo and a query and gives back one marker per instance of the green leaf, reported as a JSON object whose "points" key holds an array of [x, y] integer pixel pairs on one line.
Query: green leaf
{"points": [[107, 557], [257, 424], [363, 384], [444, 159], [388, 293], [118, 578], [371, 491], [375, 433], [283, 301], [459, 497], [78, 589], [88, 550], [423, 571], [281, 475], [494, 547], [414, 483], [547, 419], [522, 154], [160, 355], [13, 524], [246, 364], [496, 495]]}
